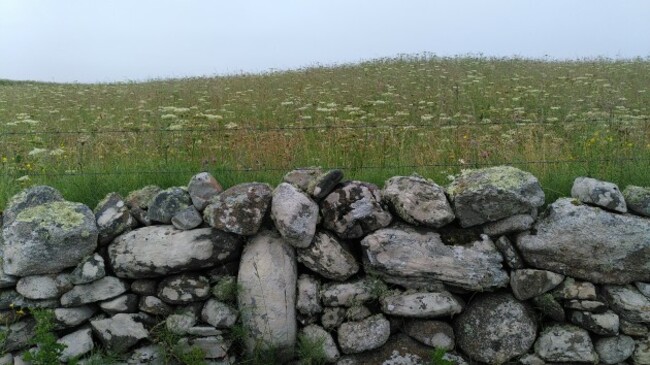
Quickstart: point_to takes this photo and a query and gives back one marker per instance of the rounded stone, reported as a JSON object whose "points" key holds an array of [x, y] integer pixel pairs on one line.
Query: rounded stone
{"points": [[495, 328]]}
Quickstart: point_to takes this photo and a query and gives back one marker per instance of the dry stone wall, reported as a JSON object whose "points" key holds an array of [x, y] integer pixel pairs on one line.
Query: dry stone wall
{"points": [[362, 274]]}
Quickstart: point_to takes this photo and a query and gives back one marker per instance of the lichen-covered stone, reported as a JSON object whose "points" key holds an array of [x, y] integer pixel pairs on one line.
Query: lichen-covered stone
{"points": [[76, 344], [184, 288], [512, 224], [43, 286], [421, 305], [167, 203], [354, 209], [565, 343], [19, 335], [324, 183], [47, 238], [637, 199], [113, 217], [125, 303], [495, 328], [180, 323], [119, 333], [161, 250], [72, 317], [328, 257], [105, 288], [436, 334], [144, 286], [332, 317], [633, 329], [628, 302], [589, 243], [142, 198], [202, 188], [154, 306], [528, 283], [614, 350], [418, 201], [29, 198], [641, 355], [317, 336], [240, 209], [600, 193], [267, 290], [302, 177], [414, 253], [604, 324], [88, 270], [218, 314], [295, 215], [570, 288], [369, 334], [593, 306], [308, 296], [347, 294], [493, 193], [510, 254]]}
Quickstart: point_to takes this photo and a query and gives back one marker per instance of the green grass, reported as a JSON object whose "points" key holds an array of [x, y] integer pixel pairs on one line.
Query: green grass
{"points": [[434, 116]]}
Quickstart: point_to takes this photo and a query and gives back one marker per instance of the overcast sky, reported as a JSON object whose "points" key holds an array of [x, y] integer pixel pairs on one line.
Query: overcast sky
{"points": [[115, 40]]}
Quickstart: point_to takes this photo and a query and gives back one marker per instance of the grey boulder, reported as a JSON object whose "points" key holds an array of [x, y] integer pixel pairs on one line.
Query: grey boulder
{"points": [[76, 344], [120, 332], [510, 254], [43, 286], [125, 303], [154, 306], [565, 343], [240, 209], [528, 283], [614, 350], [105, 288], [493, 193], [571, 289], [348, 294], [47, 238], [295, 215], [589, 243], [188, 218], [354, 209], [202, 188], [637, 199], [369, 334], [113, 217], [328, 257], [317, 336], [435, 334], [72, 317], [512, 224], [418, 201], [308, 296], [91, 268], [599, 193], [167, 203], [604, 324], [29, 198], [218, 314], [495, 328], [143, 197], [628, 302], [413, 253], [161, 250], [267, 280], [184, 288], [421, 305]]}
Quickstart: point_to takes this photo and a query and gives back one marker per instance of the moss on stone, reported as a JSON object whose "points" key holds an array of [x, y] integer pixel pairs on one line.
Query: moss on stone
{"points": [[62, 214], [500, 177]]}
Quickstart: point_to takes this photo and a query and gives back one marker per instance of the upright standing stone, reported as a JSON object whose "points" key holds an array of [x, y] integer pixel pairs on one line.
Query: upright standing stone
{"points": [[267, 295]]}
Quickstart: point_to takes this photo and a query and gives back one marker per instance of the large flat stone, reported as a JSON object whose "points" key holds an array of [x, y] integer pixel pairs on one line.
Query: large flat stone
{"points": [[590, 244]]}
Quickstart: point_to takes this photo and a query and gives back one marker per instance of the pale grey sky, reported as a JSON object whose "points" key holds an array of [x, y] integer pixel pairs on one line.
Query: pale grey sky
{"points": [[116, 40]]}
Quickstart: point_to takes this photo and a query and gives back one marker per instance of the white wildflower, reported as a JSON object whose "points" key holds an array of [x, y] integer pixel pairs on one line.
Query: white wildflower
{"points": [[37, 151]]}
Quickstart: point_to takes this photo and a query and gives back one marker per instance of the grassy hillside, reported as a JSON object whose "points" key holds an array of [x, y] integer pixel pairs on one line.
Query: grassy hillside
{"points": [[434, 116]]}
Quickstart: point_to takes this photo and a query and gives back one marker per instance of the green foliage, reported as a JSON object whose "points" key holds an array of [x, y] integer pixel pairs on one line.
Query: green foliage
{"points": [[173, 350], [311, 352], [48, 350], [97, 358], [226, 289], [438, 357]]}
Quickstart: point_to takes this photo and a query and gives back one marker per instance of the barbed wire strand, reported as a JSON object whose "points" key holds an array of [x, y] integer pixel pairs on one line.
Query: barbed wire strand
{"points": [[342, 167]]}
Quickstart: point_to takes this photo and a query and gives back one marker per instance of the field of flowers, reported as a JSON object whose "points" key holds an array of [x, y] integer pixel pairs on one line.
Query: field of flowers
{"points": [[433, 116]]}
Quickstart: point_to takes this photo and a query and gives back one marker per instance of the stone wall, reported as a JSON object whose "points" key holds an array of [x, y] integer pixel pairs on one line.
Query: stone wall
{"points": [[354, 273]]}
